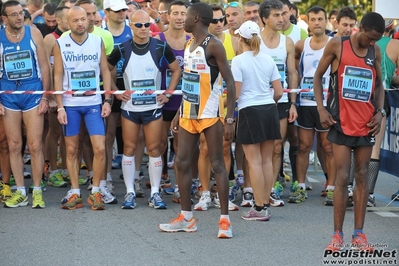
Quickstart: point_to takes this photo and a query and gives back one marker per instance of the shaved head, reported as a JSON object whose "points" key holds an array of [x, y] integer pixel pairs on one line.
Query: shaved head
{"points": [[140, 16]]}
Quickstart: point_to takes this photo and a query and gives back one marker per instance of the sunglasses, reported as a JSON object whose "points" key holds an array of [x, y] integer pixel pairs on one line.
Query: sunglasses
{"points": [[140, 25], [162, 12], [216, 20], [234, 4]]}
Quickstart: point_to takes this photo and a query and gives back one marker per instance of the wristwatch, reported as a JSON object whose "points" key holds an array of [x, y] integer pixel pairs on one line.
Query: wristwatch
{"points": [[109, 100], [383, 113], [168, 95], [157, 20], [229, 121]]}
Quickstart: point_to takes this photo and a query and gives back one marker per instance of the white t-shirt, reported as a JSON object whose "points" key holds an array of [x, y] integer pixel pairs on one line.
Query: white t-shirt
{"points": [[256, 74]]}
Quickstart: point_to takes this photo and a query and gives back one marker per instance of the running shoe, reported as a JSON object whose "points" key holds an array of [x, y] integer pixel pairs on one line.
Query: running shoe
{"points": [[225, 229], [294, 186], [395, 196], [371, 201], [27, 175], [278, 189], [337, 242], [171, 160], [16, 200], [324, 191], [95, 200], [176, 196], [329, 198], [137, 189], [198, 192], [56, 180], [169, 190], [240, 180], [360, 242], [275, 200], [46, 168], [71, 201], [350, 196], [37, 199], [287, 177], [308, 185], [156, 202], [5, 192], [165, 182], [83, 180], [247, 199], [216, 202], [233, 191], [254, 215], [298, 196], [130, 201], [107, 197], [43, 185], [117, 162], [179, 224], [89, 183], [13, 184], [111, 187], [204, 203], [194, 185]]}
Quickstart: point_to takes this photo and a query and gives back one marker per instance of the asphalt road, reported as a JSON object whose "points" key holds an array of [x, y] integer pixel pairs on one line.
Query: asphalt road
{"points": [[296, 234]]}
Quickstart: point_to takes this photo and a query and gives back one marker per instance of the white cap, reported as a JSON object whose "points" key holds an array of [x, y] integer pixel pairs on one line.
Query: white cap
{"points": [[247, 29], [115, 5]]}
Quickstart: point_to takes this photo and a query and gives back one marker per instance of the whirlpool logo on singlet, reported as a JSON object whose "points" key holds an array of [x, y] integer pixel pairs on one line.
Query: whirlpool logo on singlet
{"points": [[70, 56]]}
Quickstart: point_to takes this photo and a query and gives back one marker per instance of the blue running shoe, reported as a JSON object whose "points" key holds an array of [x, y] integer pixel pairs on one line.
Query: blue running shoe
{"points": [[169, 190], [278, 188], [193, 187], [156, 202], [130, 201], [117, 162], [240, 180], [233, 190]]}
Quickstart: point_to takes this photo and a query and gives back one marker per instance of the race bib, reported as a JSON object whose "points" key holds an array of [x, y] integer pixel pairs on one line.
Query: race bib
{"points": [[357, 84], [307, 83], [169, 77], [18, 65], [191, 87], [84, 81], [143, 85], [281, 71]]}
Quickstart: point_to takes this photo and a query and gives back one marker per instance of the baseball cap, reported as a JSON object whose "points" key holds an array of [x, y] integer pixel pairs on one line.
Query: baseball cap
{"points": [[115, 5], [141, 1], [247, 29], [388, 24]]}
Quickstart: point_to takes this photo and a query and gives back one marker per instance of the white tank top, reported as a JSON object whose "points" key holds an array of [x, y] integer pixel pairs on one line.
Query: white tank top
{"points": [[295, 34], [279, 55], [81, 69], [141, 74], [308, 63]]}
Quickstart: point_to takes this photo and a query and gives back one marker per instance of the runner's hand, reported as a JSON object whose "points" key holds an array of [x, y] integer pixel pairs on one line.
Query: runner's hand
{"points": [[375, 124], [326, 118], [43, 106], [228, 131], [62, 117], [105, 110]]}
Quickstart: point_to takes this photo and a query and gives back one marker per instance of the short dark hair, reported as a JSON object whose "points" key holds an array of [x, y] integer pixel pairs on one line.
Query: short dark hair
{"points": [[27, 15], [50, 9], [216, 7], [333, 12], [8, 4], [203, 11], [82, 2], [252, 3], [373, 21], [316, 10], [60, 10], [174, 3], [266, 6], [286, 2], [346, 12]]}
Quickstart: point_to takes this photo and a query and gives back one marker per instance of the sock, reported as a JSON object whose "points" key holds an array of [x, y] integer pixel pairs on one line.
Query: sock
{"points": [[95, 189], [206, 193], [136, 175], [258, 208], [352, 169], [91, 174], [325, 174], [293, 153], [356, 231], [225, 216], [103, 183], [240, 172], [302, 185], [374, 168], [37, 188], [109, 177], [330, 187], [155, 167], [187, 215], [265, 206], [340, 233], [23, 190], [128, 166], [76, 191]]}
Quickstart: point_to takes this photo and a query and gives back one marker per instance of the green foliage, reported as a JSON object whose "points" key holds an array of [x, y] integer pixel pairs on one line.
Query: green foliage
{"points": [[361, 7]]}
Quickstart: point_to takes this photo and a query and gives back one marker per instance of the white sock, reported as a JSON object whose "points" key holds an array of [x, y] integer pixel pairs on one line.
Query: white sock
{"points": [[37, 188], [330, 187], [240, 172], [206, 192], [187, 215], [95, 189], [76, 191], [302, 185], [128, 167], [155, 169], [137, 174], [103, 183], [109, 177], [225, 216], [23, 190]]}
